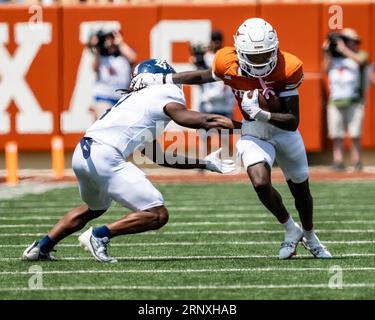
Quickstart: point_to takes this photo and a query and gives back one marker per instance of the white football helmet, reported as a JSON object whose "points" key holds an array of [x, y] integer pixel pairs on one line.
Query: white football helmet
{"points": [[257, 45]]}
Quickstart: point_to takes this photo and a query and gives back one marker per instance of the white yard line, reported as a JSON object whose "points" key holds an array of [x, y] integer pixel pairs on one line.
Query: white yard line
{"points": [[27, 187], [190, 216], [15, 218], [176, 208], [262, 231], [147, 258], [22, 234], [10, 226], [56, 213], [203, 223], [223, 270], [213, 243], [218, 232], [234, 223], [193, 287]]}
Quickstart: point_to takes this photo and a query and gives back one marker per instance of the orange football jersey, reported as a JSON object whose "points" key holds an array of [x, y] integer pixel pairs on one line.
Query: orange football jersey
{"points": [[287, 75]]}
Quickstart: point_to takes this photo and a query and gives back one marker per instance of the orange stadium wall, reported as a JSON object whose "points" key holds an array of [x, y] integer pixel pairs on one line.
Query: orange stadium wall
{"points": [[30, 77], [50, 93]]}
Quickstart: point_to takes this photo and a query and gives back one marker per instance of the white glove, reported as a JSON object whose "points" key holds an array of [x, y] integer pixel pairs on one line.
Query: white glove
{"points": [[215, 164], [145, 79], [252, 108]]}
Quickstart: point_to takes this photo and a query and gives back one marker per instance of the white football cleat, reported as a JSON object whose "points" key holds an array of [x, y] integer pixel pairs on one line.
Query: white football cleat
{"points": [[96, 246], [33, 253], [316, 248], [289, 245]]}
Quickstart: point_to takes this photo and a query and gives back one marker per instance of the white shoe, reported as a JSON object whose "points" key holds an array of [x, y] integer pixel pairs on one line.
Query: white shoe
{"points": [[33, 253], [316, 248], [97, 246], [289, 245]]}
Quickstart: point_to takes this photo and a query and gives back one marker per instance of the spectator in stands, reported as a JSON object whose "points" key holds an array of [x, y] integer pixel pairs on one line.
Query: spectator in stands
{"points": [[113, 60], [345, 66], [216, 97]]}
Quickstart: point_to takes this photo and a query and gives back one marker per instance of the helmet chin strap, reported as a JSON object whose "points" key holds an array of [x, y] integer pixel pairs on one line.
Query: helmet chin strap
{"points": [[266, 90]]}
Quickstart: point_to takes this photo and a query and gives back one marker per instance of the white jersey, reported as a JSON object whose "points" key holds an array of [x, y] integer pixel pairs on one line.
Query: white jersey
{"points": [[136, 118]]}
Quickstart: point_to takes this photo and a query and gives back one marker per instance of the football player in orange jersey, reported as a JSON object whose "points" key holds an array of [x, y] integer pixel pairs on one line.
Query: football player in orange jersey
{"points": [[255, 63]]}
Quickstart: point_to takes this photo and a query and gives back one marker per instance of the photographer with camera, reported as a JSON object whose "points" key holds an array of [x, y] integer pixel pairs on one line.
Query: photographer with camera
{"points": [[216, 97], [345, 66], [113, 60]]}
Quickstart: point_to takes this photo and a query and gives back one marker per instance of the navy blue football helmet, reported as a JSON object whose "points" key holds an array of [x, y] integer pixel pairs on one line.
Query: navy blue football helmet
{"points": [[153, 66]]}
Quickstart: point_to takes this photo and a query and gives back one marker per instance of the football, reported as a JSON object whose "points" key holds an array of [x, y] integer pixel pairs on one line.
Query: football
{"points": [[272, 104]]}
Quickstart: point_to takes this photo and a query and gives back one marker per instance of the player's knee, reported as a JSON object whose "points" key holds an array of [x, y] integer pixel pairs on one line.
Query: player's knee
{"points": [[260, 181], [161, 216], [261, 184], [259, 176], [299, 178]]}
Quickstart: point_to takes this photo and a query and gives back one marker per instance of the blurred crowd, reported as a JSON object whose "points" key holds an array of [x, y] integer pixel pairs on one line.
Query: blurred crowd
{"points": [[48, 2], [347, 69], [113, 61], [349, 75]]}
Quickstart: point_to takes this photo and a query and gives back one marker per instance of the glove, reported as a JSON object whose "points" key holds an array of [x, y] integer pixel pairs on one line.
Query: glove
{"points": [[145, 79], [252, 108], [215, 164], [251, 105]]}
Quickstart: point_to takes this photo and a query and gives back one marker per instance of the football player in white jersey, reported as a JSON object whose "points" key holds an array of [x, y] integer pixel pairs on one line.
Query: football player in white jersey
{"points": [[100, 162]]}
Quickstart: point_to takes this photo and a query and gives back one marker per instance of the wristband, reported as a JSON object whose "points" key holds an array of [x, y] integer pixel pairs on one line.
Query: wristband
{"points": [[264, 116]]}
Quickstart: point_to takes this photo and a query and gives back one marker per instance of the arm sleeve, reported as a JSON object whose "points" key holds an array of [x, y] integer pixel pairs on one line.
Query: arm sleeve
{"points": [[288, 93]]}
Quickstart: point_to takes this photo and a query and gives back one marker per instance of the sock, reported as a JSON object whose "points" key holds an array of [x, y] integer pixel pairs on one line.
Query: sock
{"points": [[289, 224], [46, 244], [310, 235], [101, 232]]}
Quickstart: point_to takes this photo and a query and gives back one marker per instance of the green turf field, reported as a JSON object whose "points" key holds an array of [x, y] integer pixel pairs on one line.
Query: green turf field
{"points": [[220, 243]]}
